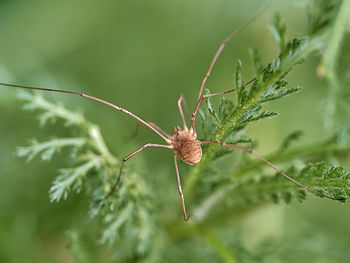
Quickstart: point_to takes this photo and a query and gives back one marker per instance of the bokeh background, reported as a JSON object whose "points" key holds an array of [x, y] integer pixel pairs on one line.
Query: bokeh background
{"points": [[141, 55]]}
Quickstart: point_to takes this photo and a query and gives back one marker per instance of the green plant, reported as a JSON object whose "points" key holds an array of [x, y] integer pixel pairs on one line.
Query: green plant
{"points": [[129, 215], [93, 168]]}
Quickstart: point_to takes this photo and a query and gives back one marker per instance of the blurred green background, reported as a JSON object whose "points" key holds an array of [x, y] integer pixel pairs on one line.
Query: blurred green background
{"points": [[141, 55]]}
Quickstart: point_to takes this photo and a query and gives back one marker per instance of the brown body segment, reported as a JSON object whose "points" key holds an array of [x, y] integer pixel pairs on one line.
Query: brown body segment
{"points": [[187, 147]]}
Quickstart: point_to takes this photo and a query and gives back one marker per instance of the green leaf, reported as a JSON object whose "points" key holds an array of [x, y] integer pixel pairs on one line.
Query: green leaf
{"points": [[258, 68], [114, 223], [47, 149], [225, 109], [51, 111], [319, 15], [273, 93], [208, 124], [241, 91], [263, 115], [329, 180], [239, 83], [278, 31], [290, 138], [210, 107], [249, 114], [71, 179]]}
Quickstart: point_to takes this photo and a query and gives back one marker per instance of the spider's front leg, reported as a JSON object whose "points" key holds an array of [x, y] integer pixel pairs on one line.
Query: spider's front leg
{"points": [[131, 155]]}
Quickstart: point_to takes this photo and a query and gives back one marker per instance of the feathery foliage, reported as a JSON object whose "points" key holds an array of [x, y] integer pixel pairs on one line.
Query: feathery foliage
{"points": [[330, 180], [129, 216], [93, 169]]}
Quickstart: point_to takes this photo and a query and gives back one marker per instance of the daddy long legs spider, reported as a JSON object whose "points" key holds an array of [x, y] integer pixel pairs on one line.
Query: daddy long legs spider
{"points": [[183, 140]]}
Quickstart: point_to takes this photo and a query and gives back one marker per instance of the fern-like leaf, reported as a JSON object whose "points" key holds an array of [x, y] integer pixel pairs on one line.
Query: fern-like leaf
{"points": [[93, 169]]}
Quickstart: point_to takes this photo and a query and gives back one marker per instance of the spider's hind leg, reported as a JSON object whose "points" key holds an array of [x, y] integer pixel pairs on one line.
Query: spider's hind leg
{"points": [[180, 189], [251, 151]]}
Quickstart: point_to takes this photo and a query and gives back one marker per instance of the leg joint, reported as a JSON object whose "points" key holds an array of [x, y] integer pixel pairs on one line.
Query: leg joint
{"points": [[180, 99], [180, 190]]}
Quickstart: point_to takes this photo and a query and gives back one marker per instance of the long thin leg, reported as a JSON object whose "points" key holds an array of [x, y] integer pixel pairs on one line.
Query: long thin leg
{"points": [[244, 149], [212, 63], [91, 98], [159, 129], [131, 155], [194, 114], [181, 112], [222, 46], [180, 189], [138, 124], [127, 112], [187, 112]]}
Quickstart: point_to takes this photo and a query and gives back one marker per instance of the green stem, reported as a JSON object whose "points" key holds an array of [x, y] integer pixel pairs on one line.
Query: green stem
{"points": [[204, 208], [100, 144], [214, 241], [331, 52], [327, 67]]}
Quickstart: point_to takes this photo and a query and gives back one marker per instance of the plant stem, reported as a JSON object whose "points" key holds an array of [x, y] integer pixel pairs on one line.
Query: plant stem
{"points": [[331, 52], [327, 67], [100, 144], [215, 242]]}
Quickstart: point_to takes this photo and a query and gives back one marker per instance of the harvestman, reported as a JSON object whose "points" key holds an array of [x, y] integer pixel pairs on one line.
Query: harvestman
{"points": [[183, 141]]}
